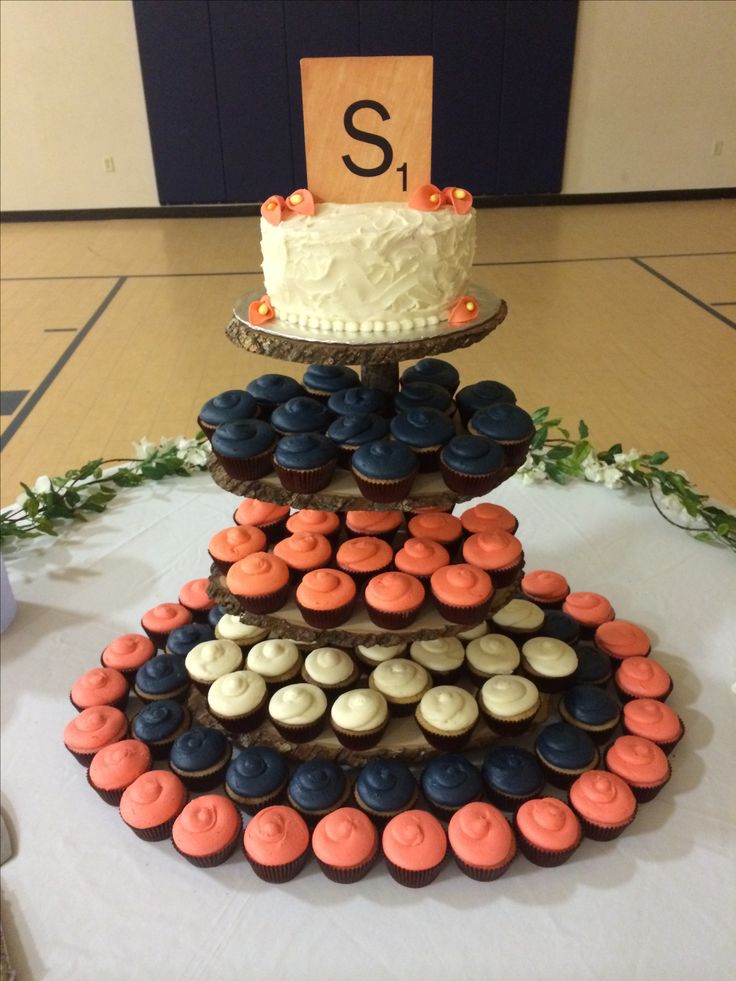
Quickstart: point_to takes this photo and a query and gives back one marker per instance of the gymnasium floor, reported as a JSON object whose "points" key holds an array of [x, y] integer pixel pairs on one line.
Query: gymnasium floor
{"points": [[624, 315]]}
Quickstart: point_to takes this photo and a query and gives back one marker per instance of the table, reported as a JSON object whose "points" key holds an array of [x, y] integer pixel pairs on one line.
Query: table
{"points": [[84, 898]]}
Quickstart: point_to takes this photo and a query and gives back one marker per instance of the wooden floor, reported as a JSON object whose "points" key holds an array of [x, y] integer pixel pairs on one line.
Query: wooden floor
{"points": [[624, 315]]}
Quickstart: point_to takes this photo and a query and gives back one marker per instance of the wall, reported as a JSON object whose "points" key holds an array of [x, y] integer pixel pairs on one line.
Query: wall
{"points": [[72, 95], [654, 87]]}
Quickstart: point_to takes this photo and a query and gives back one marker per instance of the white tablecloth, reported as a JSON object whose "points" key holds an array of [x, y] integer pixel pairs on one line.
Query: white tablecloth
{"points": [[84, 898]]}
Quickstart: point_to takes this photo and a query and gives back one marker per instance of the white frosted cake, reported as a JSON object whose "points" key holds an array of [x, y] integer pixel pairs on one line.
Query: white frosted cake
{"points": [[367, 268]]}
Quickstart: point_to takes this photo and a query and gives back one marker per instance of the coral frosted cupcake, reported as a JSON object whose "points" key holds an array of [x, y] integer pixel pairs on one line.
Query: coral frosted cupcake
{"points": [[471, 465], [653, 720], [256, 778], [480, 395], [450, 782], [159, 621], [199, 757], [93, 729], [484, 518], [384, 470], [116, 766], [376, 524], [642, 764], [621, 640], [237, 700], [331, 669], [270, 518], [316, 788], [432, 370], [245, 635], [359, 718], [209, 661], [298, 712], [443, 658], [260, 582], [491, 655], [519, 619], [642, 677], [425, 431], [548, 831], [183, 639], [193, 596], [207, 831], [325, 523], [305, 463], [421, 557], [545, 588], [363, 558], [276, 843], [512, 776], [384, 788], [303, 552], [497, 552], [326, 598], [323, 380], [162, 677], [549, 663], [393, 600], [99, 686], [509, 704], [565, 752], [604, 804], [402, 683], [591, 709], [414, 845], [509, 426], [447, 716], [462, 593], [245, 449], [277, 661], [300, 415], [126, 654], [345, 844], [438, 527], [151, 804], [231, 406], [159, 725], [232, 544], [481, 841], [590, 610]]}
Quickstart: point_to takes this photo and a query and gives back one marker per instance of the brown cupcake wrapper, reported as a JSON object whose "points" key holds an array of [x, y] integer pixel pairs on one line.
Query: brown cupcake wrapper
{"points": [[269, 603], [645, 794], [543, 604], [250, 468], [474, 485], [207, 429], [157, 638], [598, 832], [327, 619], [563, 780], [119, 703], [381, 819], [625, 696], [549, 686], [542, 858], [360, 740], [112, 797], [346, 876], [361, 578], [483, 874], [400, 710], [221, 564], [504, 577], [384, 492], [428, 458], [385, 536], [178, 695], [306, 481], [599, 736], [411, 878], [464, 614], [243, 723], [392, 621], [253, 806], [300, 734], [277, 874], [666, 747], [205, 780], [505, 802], [444, 742], [85, 758], [444, 814], [160, 750], [160, 832], [210, 861], [128, 673], [507, 727]]}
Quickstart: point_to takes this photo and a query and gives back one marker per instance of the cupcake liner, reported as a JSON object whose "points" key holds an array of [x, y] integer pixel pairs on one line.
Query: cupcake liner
{"points": [[445, 813], [361, 578], [222, 565], [253, 805], [217, 858], [483, 874], [448, 743], [548, 685], [345, 455], [506, 802], [178, 694], [507, 727], [545, 859], [268, 603], [249, 468], [346, 876], [360, 740], [468, 485], [428, 458], [157, 638], [207, 429], [160, 750], [392, 621], [243, 723], [599, 735], [384, 491], [544, 604], [598, 832], [565, 779], [112, 797], [385, 536], [128, 673], [400, 710], [306, 481], [199, 781], [333, 691], [300, 734], [381, 818], [119, 703], [645, 794], [507, 575], [413, 879], [85, 758], [326, 619], [161, 832], [277, 874], [463, 614], [625, 696]]}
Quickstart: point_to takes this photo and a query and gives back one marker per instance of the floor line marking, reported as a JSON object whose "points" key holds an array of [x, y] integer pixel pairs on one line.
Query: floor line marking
{"points": [[60, 330], [684, 292]]}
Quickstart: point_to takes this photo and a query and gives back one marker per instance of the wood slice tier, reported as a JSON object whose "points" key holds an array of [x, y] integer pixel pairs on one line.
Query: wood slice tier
{"points": [[359, 629], [403, 740], [288, 342], [342, 493]]}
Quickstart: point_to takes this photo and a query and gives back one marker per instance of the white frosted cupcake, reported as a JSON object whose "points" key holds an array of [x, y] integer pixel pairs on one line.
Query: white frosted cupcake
{"points": [[519, 619], [509, 703], [377, 653], [548, 662], [330, 669], [447, 716], [238, 701], [210, 660], [443, 657], [359, 718], [402, 683], [490, 655], [472, 633], [277, 661], [298, 712], [230, 627]]}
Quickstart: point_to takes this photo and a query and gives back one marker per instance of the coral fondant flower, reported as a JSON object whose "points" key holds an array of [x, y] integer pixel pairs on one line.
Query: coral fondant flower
{"points": [[261, 311], [272, 207], [458, 198], [464, 311], [301, 201], [426, 198]]}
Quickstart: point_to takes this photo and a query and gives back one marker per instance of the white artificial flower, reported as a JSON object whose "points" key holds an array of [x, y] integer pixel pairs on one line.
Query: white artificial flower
{"points": [[624, 460], [530, 472], [143, 448], [21, 500], [592, 468], [612, 476], [42, 485]]}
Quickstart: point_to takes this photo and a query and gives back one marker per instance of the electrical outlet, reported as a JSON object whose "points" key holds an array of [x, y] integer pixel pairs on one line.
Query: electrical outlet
{"points": [[110, 165], [718, 148]]}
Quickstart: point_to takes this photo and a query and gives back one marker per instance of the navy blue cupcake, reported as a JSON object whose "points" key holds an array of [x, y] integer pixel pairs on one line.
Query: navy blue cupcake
{"points": [[272, 390], [245, 449], [159, 724], [256, 778], [300, 415], [508, 425], [471, 465], [561, 626], [425, 431], [565, 752], [512, 775], [305, 463], [183, 639], [323, 380], [480, 395], [423, 395], [434, 371], [361, 400], [316, 788], [351, 431], [591, 710], [449, 782], [199, 757], [384, 470], [384, 788], [594, 667], [235, 405], [162, 677]]}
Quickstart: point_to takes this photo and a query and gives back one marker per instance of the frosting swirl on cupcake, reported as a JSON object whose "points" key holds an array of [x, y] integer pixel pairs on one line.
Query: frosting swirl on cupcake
{"points": [[442, 654], [329, 666], [364, 554], [276, 836], [154, 798], [461, 585], [304, 550], [361, 710], [643, 677], [273, 658], [603, 798], [545, 585], [206, 825], [481, 836], [437, 526], [94, 728], [622, 639], [589, 609], [399, 678], [99, 686], [128, 652], [118, 764], [230, 627], [233, 544], [421, 557], [549, 657], [651, 719], [213, 658], [492, 654], [325, 589], [258, 574], [297, 705], [345, 839], [549, 824], [396, 592], [236, 694], [509, 696], [638, 761], [380, 652], [488, 517], [414, 840], [492, 550], [259, 513], [449, 708]]}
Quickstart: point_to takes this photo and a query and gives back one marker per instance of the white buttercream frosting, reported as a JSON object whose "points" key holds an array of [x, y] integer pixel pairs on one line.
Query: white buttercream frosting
{"points": [[360, 710], [448, 708], [443, 654], [213, 658], [507, 696], [381, 652], [364, 268], [519, 614], [329, 666], [474, 632], [230, 627], [236, 693], [550, 657], [399, 678], [272, 658], [493, 654], [297, 705]]}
